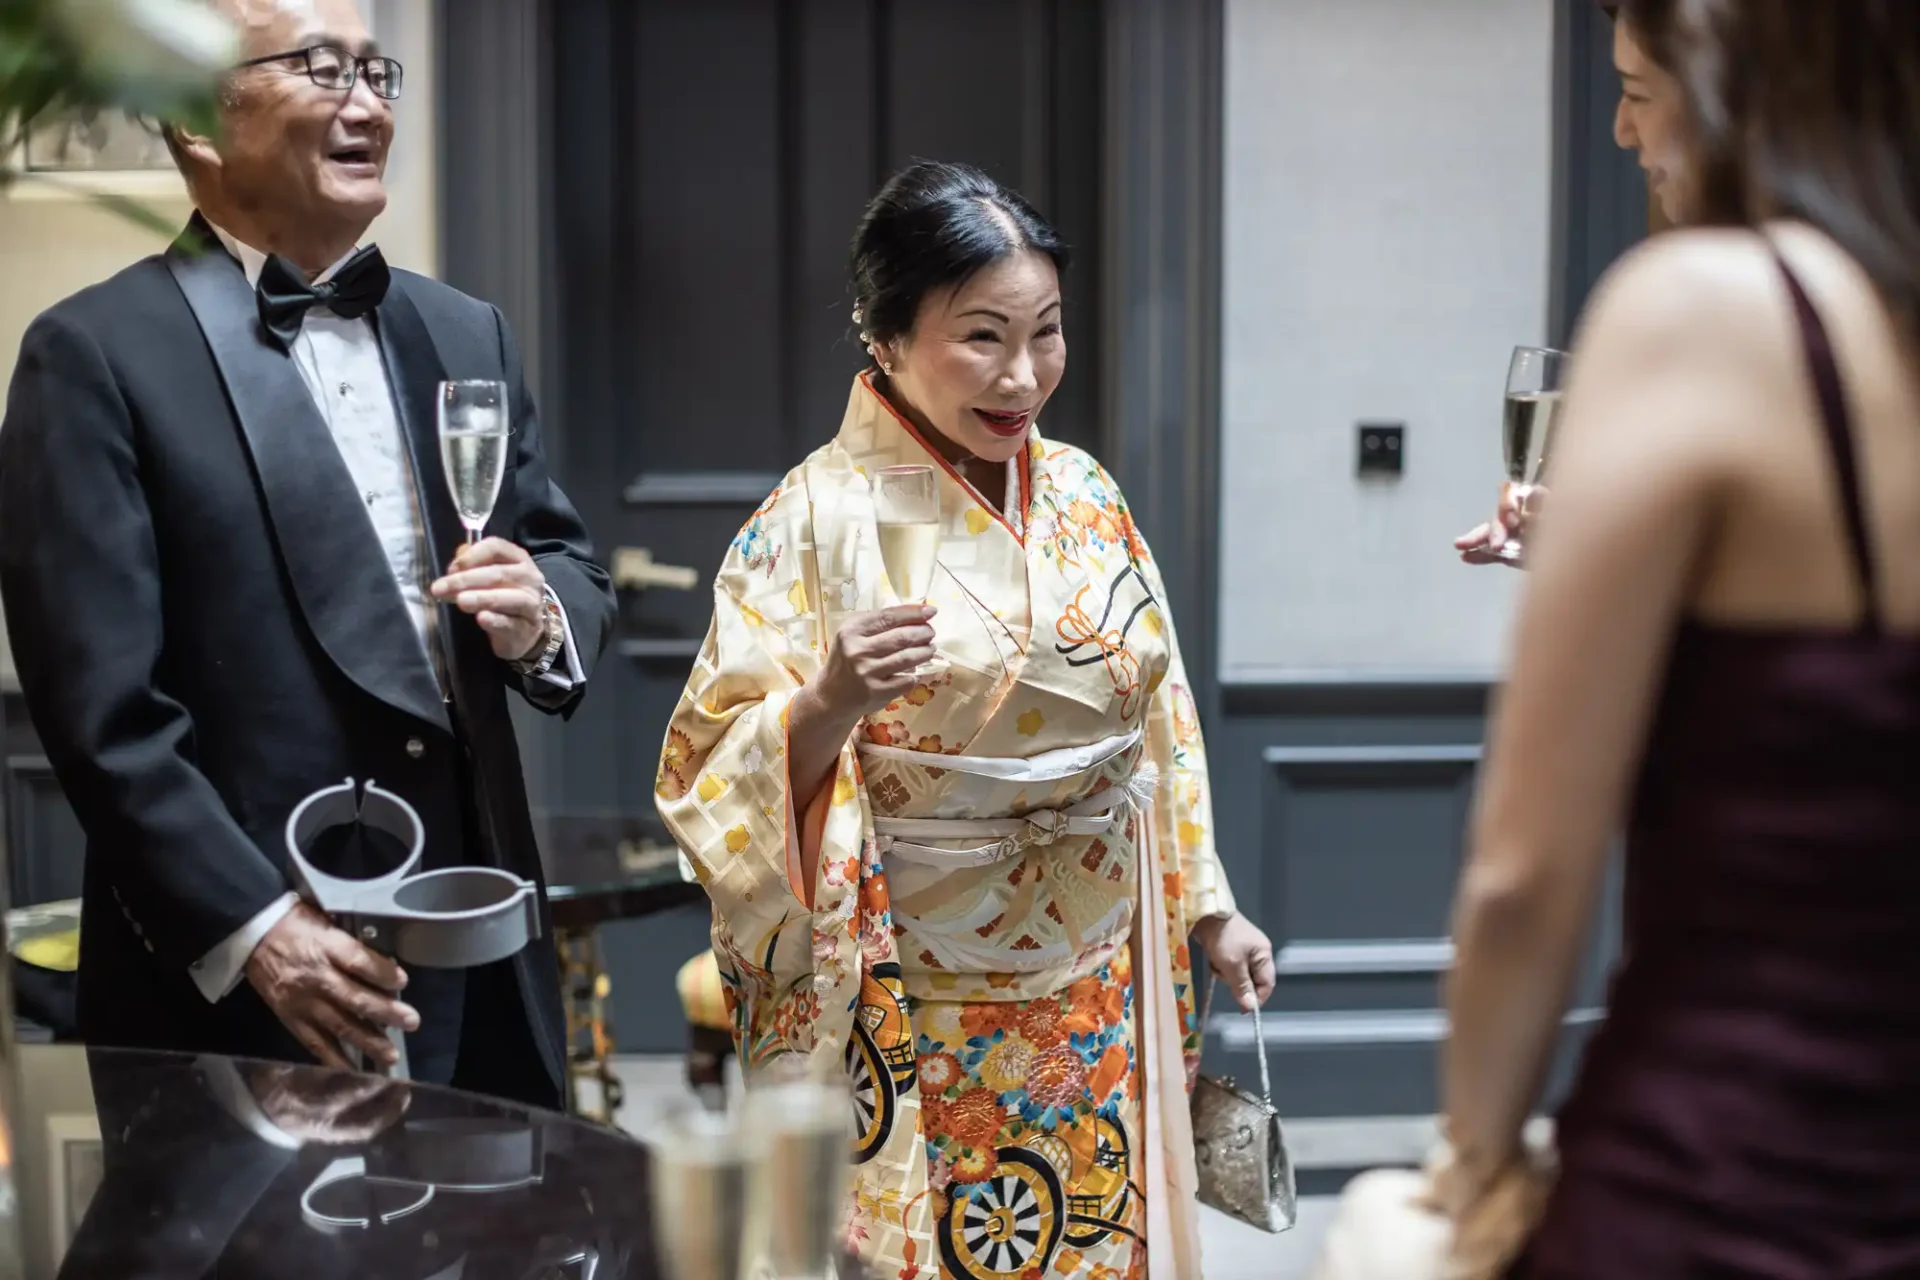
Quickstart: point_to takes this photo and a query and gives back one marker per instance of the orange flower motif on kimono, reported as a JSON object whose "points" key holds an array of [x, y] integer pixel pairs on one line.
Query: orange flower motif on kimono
{"points": [[887, 733], [793, 1019], [938, 1073], [982, 1020], [1108, 1074], [1043, 1024], [1091, 519], [676, 759], [874, 899], [975, 1117], [975, 1164], [1083, 1000], [1057, 1077]]}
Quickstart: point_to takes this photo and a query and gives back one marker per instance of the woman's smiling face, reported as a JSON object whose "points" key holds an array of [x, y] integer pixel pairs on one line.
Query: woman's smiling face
{"points": [[983, 356]]}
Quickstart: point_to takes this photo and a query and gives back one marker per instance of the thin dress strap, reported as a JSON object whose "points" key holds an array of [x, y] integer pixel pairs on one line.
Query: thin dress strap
{"points": [[1837, 421]]}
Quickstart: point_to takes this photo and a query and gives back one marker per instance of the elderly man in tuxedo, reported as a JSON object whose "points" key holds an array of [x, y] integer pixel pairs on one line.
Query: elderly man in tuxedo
{"points": [[233, 576]]}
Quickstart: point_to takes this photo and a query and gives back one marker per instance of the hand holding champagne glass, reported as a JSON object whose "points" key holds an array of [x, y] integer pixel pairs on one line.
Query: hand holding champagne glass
{"points": [[473, 448], [907, 511], [1536, 384]]}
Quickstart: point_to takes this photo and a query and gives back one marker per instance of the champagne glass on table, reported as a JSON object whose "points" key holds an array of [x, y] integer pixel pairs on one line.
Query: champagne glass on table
{"points": [[907, 511], [801, 1133], [473, 448], [1536, 382], [701, 1188]]}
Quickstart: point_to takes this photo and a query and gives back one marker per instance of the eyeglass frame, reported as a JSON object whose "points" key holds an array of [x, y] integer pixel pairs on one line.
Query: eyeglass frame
{"points": [[353, 64]]}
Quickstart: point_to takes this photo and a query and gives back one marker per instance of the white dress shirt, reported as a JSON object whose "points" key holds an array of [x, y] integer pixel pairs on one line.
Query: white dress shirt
{"points": [[341, 364]]}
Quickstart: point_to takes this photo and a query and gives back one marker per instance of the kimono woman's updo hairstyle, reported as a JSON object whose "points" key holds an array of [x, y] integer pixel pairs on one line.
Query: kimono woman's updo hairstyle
{"points": [[931, 227]]}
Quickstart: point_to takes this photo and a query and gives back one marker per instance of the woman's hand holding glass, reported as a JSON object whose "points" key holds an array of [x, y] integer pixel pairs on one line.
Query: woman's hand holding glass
{"points": [[1499, 540], [874, 660]]}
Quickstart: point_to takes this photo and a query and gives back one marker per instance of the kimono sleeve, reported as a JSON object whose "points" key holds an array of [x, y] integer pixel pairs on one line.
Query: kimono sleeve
{"points": [[723, 791], [1184, 805]]}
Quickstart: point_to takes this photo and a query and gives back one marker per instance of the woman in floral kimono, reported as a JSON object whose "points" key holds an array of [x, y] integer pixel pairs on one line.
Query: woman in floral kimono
{"points": [[974, 884]]}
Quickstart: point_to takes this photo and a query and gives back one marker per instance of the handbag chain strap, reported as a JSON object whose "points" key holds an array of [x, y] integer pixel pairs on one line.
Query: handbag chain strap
{"points": [[1259, 1040]]}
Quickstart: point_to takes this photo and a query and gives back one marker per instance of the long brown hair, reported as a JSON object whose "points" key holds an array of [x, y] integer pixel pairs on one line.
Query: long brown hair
{"points": [[1651, 24], [1810, 110]]}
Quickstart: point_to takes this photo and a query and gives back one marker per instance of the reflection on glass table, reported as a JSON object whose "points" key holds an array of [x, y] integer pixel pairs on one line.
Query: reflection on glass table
{"points": [[170, 1165], [151, 1164]]}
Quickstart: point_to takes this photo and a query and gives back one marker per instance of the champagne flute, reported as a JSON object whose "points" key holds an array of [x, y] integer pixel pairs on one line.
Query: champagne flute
{"points": [[473, 448], [701, 1184], [801, 1135], [1536, 382], [907, 511]]}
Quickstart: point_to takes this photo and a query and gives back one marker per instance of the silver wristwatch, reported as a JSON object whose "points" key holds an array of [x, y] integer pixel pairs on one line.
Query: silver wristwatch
{"points": [[542, 661]]}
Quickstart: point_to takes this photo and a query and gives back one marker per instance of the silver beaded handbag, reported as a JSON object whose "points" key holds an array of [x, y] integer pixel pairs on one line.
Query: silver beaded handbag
{"points": [[1238, 1145]]}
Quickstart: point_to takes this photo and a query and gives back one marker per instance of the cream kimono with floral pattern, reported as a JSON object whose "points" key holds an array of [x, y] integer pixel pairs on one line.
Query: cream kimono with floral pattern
{"points": [[1036, 1125]]}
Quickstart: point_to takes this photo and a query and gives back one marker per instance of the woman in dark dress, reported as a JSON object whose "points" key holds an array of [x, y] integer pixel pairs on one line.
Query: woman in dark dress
{"points": [[1720, 645], [1647, 121]]}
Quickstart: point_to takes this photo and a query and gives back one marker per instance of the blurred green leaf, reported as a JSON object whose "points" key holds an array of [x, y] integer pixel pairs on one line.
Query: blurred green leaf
{"points": [[73, 55]]}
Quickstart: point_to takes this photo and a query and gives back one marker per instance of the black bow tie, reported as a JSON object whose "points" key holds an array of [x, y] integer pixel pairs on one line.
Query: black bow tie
{"points": [[285, 296]]}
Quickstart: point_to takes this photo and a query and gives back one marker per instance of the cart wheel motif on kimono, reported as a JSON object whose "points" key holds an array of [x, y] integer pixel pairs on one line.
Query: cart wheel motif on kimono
{"points": [[1008, 1224], [883, 1013], [1100, 1199], [873, 1095]]}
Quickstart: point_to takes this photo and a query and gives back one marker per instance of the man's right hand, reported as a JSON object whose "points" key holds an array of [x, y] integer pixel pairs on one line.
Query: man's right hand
{"points": [[328, 989]]}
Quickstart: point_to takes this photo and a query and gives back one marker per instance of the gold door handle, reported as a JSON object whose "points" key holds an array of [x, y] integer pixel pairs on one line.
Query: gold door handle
{"points": [[634, 569]]}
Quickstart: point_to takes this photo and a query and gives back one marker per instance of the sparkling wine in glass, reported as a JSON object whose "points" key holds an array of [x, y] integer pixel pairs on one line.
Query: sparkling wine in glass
{"points": [[473, 448], [1536, 383], [702, 1189], [907, 511], [801, 1132]]}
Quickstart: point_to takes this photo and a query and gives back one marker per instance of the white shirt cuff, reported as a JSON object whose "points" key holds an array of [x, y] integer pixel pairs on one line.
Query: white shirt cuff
{"points": [[218, 972], [563, 674]]}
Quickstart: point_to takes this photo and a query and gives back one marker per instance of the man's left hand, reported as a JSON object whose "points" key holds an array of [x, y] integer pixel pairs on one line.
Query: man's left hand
{"points": [[501, 588]]}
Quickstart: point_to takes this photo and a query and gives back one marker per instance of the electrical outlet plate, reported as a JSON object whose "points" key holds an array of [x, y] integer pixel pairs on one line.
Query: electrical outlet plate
{"points": [[1382, 448]]}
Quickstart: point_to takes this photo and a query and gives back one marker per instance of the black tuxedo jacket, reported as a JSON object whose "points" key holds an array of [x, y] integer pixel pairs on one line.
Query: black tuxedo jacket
{"points": [[207, 628]]}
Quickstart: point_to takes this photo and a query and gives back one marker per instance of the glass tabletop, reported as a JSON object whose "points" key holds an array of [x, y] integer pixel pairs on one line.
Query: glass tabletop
{"points": [[610, 866], [149, 1164]]}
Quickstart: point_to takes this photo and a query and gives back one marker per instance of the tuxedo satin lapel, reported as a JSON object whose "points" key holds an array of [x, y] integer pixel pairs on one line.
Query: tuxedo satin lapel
{"points": [[334, 560], [415, 370]]}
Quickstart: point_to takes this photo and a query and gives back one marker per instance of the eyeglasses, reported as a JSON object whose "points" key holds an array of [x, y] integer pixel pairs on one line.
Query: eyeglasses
{"points": [[332, 68]]}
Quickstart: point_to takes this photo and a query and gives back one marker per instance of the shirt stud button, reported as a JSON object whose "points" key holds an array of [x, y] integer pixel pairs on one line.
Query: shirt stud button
{"points": [[416, 748]]}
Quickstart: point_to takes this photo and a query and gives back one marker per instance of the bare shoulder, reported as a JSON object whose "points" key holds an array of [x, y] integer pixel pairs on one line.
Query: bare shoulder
{"points": [[1685, 351], [1692, 293]]}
